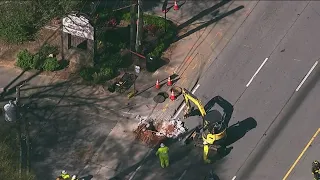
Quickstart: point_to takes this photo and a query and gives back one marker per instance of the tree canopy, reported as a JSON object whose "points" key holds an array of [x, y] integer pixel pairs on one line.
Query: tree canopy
{"points": [[20, 20]]}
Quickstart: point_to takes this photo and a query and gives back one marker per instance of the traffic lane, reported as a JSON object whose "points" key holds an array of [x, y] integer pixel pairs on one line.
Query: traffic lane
{"points": [[288, 135], [229, 74], [263, 100], [182, 158], [303, 168], [231, 83], [282, 82], [254, 41]]}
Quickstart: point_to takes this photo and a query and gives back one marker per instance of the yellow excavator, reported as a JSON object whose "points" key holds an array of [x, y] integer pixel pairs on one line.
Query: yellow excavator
{"points": [[212, 133]]}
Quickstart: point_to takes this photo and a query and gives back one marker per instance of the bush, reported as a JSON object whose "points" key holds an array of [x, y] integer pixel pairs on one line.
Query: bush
{"points": [[164, 42], [155, 20], [48, 49], [9, 155], [107, 73], [50, 64], [113, 61], [103, 75], [97, 76], [37, 62], [20, 20], [86, 73], [126, 16], [25, 60]]}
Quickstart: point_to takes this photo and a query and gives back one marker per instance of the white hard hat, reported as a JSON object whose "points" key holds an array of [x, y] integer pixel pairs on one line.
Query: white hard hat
{"points": [[74, 177], [161, 145], [63, 172]]}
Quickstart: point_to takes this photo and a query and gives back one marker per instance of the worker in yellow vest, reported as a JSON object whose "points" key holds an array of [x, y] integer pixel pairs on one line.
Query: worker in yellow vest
{"points": [[163, 153], [65, 175]]}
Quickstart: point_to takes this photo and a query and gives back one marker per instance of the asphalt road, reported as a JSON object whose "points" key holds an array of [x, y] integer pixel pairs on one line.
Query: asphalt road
{"points": [[260, 72]]}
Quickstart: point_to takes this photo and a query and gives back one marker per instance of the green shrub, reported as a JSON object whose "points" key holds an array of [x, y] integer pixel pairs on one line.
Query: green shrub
{"points": [[126, 16], [50, 64], [37, 62], [97, 78], [48, 49], [25, 59], [103, 75], [164, 42], [122, 45], [18, 22], [86, 73], [155, 20], [113, 60], [107, 73]]}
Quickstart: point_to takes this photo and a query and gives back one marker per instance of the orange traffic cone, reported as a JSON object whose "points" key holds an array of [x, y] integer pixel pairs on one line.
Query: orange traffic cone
{"points": [[169, 83], [175, 6], [157, 84], [172, 96]]}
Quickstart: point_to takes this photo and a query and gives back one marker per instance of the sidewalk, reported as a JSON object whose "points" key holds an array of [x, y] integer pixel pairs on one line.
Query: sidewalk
{"points": [[100, 123]]}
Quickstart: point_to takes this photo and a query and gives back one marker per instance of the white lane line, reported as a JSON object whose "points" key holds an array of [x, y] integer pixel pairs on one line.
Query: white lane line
{"points": [[307, 75], [184, 172], [257, 72], [234, 177], [181, 108], [135, 172]]}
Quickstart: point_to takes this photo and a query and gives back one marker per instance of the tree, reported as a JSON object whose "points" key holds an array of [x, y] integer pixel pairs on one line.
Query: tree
{"points": [[20, 20], [9, 154]]}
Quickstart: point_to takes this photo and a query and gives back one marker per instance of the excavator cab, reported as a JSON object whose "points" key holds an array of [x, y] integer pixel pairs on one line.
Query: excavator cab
{"points": [[211, 132]]}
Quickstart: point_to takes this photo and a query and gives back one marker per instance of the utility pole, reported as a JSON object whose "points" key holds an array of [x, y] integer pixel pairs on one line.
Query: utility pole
{"points": [[19, 130], [12, 115], [140, 27], [132, 25]]}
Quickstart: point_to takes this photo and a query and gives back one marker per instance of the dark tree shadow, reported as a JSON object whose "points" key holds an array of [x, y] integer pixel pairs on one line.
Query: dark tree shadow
{"points": [[9, 89], [203, 13], [89, 177], [218, 18]]}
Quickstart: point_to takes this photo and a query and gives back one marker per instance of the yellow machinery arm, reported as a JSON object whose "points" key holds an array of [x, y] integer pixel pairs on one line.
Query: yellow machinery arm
{"points": [[188, 96], [208, 136]]}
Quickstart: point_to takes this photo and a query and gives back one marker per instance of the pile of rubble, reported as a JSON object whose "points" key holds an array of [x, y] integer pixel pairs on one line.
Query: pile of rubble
{"points": [[153, 132]]}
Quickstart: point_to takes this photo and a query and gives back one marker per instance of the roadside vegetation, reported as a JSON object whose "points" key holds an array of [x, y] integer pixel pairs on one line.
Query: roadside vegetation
{"points": [[20, 23], [21, 20], [9, 155], [114, 37]]}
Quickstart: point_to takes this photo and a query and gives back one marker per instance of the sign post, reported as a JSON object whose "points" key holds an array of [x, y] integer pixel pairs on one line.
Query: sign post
{"points": [[137, 70]]}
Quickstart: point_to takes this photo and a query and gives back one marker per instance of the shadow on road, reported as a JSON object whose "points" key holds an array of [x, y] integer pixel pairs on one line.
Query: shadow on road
{"points": [[218, 18], [9, 89], [239, 130], [203, 13], [69, 123]]}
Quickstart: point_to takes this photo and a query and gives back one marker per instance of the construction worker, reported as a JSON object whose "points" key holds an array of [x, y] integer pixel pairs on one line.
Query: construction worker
{"points": [[163, 153], [316, 170], [74, 177], [207, 141], [65, 175]]}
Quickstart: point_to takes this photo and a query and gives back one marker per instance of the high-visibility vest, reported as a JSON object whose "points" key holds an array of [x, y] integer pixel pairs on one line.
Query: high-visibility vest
{"points": [[163, 151], [65, 176]]}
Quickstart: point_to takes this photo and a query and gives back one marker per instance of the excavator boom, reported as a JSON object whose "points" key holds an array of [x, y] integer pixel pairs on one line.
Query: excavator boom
{"points": [[219, 126]]}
